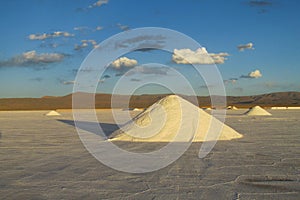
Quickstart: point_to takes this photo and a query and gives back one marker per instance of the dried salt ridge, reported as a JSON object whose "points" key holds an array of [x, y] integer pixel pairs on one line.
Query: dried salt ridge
{"points": [[53, 113], [257, 111], [162, 121]]}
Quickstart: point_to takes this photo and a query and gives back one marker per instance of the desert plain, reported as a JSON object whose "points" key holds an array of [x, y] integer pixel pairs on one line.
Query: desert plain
{"points": [[42, 157]]}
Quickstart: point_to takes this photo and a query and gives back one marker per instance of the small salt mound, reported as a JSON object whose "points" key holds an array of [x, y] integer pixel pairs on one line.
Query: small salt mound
{"points": [[162, 121], [232, 108], [257, 111], [53, 113], [279, 108]]}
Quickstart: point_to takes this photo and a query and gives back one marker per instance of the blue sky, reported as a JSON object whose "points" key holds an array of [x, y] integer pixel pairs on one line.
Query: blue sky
{"points": [[44, 42]]}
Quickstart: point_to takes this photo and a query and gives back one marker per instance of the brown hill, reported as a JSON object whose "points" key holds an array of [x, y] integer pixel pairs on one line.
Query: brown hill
{"points": [[143, 101]]}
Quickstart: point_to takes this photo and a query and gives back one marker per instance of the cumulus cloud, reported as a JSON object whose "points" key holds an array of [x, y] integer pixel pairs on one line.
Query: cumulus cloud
{"points": [[242, 47], [85, 43], [200, 56], [231, 80], [254, 74], [80, 46], [123, 62], [31, 58], [44, 36], [219, 58], [98, 3]]}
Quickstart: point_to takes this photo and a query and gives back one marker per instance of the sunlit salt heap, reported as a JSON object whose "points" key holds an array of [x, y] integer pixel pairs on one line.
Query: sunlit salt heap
{"points": [[52, 113], [232, 108], [257, 111], [162, 121]]}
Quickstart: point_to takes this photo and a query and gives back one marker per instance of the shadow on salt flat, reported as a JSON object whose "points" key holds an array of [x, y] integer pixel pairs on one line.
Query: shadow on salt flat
{"points": [[273, 183], [92, 127]]}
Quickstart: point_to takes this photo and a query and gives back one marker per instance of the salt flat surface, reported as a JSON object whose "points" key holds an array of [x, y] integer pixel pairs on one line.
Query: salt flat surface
{"points": [[42, 158]]}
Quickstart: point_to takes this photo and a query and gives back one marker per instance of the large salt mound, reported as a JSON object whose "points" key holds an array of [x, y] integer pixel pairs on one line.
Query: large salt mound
{"points": [[257, 111], [161, 122], [52, 113]]}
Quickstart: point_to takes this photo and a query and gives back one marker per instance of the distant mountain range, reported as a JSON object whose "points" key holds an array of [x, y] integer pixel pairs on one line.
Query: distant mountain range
{"points": [[143, 101]]}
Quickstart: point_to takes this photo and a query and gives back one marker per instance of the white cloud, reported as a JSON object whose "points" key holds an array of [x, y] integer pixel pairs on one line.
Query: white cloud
{"points": [[254, 74], [102, 80], [123, 27], [80, 28], [231, 80], [242, 47], [85, 29], [31, 58], [61, 33], [98, 3], [80, 46], [147, 70], [38, 36], [85, 43], [218, 58], [200, 56], [123, 62], [98, 28], [44, 36], [68, 82]]}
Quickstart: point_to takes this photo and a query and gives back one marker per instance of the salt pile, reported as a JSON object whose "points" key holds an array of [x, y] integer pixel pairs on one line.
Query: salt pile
{"points": [[257, 111], [161, 122], [53, 113], [232, 108], [279, 108]]}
